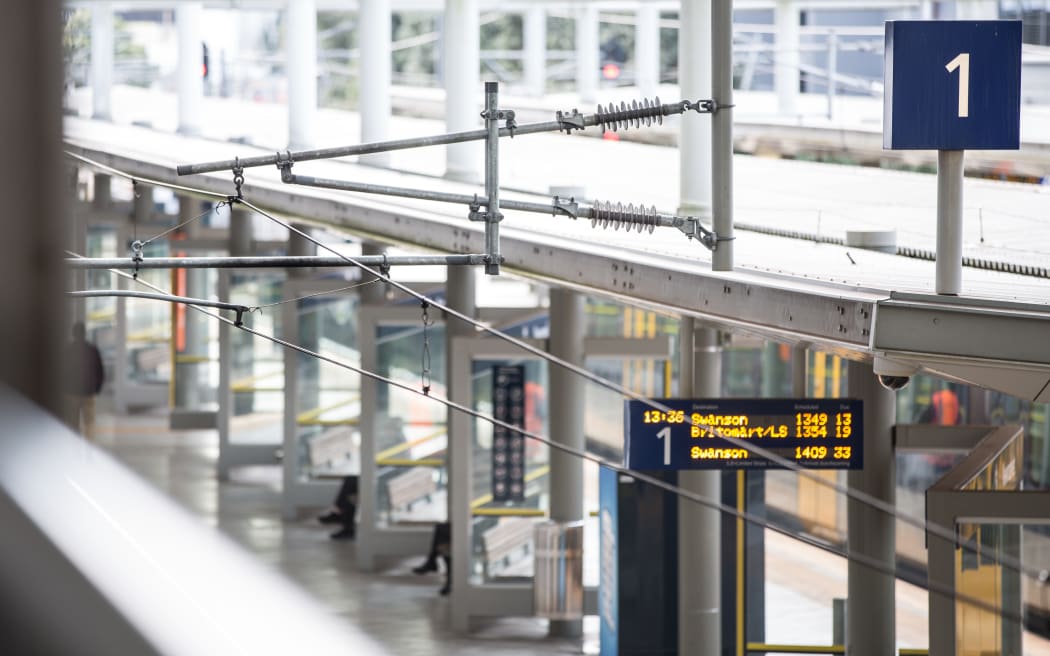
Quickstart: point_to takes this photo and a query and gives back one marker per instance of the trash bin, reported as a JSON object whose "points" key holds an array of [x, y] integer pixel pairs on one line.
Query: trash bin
{"points": [[557, 587]]}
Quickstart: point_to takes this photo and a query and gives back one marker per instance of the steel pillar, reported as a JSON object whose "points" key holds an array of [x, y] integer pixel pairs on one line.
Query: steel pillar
{"points": [[374, 98], [647, 51], [949, 221], [567, 399], [695, 135], [587, 61], [301, 57], [101, 60], [870, 619], [787, 57], [722, 132], [462, 61], [699, 528], [534, 39], [188, 19], [300, 246]]}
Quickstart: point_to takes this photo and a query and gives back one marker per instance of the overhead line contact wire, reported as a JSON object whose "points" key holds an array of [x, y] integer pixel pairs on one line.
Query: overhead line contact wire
{"points": [[866, 499], [715, 505], [749, 517]]}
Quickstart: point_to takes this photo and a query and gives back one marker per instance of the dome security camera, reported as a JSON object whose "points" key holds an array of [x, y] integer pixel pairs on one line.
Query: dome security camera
{"points": [[893, 374]]}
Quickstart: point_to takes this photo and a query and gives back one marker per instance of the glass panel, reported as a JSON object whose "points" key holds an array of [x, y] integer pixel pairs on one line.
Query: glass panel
{"points": [[101, 313], [196, 343], [328, 407], [257, 370], [149, 327], [411, 436], [501, 539]]}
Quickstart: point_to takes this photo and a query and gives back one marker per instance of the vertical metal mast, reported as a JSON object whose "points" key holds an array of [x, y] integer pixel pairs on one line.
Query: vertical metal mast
{"points": [[492, 216]]}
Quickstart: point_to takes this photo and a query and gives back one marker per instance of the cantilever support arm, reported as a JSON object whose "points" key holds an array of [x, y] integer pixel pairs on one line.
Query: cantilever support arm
{"points": [[239, 309], [611, 117]]}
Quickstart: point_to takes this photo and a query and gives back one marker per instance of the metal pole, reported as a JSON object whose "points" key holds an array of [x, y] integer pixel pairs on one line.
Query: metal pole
{"points": [[492, 179], [587, 52], [699, 528], [374, 31], [461, 294], [833, 58], [870, 612], [949, 221], [722, 132], [101, 60], [271, 262], [188, 17], [647, 50], [301, 55], [614, 119], [786, 57], [462, 61], [534, 40], [695, 136], [566, 401]]}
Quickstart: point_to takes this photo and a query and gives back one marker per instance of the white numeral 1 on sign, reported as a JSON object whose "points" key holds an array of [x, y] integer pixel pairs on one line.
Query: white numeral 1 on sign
{"points": [[665, 435], [962, 62]]}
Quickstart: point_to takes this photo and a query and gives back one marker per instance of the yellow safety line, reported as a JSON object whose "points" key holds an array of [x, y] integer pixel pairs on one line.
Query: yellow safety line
{"points": [[404, 446], [191, 359], [914, 652], [408, 462], [796, 649], [245, 384], [740, 478], [508, 512], [244, 390], [349, 421], [531, 476], [99, 316], [314, 413]]}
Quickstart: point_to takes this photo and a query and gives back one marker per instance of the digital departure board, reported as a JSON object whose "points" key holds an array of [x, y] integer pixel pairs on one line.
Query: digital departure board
{"points": [[814, 433]]}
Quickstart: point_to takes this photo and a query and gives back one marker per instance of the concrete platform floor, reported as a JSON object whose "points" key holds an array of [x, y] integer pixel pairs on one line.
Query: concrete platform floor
{"points": [[398, 609]]}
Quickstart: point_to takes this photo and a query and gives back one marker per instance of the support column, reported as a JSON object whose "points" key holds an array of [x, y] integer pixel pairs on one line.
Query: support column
{"points": [[101, 60], [567, 399], [949, 221], [299, 246], [374, 26], [301, 57], [722, 133], [534, 39], [647, 50], [460, 291], [787, 57], [462, 63], [240, 233], [695, 133], [188, 19], [225, 393], [374, 294], [870, 621], [587, 61], [194, 346], [699, 527]]}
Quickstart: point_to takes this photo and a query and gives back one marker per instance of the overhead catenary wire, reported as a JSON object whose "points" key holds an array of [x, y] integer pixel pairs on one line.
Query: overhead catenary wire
{"points": [[749, 517], [866, 499]]}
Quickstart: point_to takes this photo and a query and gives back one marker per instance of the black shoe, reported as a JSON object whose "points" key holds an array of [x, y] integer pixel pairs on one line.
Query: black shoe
{"points": [[332, 517], [429, 566], [346, 533], [444, 591]]}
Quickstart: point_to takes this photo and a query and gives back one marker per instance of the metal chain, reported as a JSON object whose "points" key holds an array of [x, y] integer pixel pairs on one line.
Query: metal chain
{"points": [[425, 368]]}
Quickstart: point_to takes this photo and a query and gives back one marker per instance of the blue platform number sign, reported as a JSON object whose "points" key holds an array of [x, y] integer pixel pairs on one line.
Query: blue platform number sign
{"points": [[952, 85]]}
